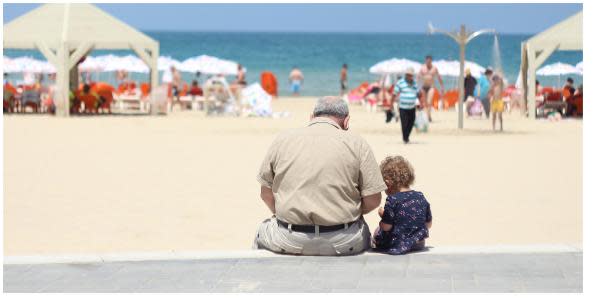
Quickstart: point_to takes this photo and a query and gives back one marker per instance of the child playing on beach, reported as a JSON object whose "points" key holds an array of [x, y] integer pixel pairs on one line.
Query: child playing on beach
{"points": [[406, 218], [497, 103]]}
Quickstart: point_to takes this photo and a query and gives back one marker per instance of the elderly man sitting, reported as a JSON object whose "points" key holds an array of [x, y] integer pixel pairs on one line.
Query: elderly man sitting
{"points": [[318, 181]]}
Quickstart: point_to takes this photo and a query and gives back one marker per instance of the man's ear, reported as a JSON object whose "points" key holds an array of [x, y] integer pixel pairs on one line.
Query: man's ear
{"points": [[346, 123], [312, 116]]}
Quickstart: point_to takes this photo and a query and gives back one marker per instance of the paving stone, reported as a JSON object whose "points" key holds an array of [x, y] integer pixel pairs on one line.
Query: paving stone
{"points": [[548, 272]]}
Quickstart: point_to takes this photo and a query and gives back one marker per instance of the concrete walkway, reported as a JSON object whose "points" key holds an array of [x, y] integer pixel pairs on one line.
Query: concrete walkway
{"points": [[421, 272]]}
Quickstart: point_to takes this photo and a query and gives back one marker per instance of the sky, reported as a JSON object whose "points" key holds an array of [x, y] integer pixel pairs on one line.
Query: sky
{"points": [[505, 18]]}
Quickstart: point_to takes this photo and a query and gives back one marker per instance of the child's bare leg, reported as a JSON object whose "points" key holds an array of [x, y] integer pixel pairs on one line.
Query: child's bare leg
{"points": [[494, 121]]}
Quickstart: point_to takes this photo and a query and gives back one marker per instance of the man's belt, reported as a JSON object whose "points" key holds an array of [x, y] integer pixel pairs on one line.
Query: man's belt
{"points": [[314, 228]]}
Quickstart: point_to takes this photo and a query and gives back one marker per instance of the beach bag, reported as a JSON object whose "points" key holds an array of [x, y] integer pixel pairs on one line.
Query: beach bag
{"points": [[421, 121], [476, 108]]}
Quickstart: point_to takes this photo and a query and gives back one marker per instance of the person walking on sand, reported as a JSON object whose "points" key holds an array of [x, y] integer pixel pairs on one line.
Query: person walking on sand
{"points": [[406, 89], [344, 79], [497, 103], [296, 79], [426, 76], [318, 181]]}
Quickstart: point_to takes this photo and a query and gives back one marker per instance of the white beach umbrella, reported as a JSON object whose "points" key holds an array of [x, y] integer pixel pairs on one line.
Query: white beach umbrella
{"points": [[92, 64], [8, 66], [209, 65], [452, 68], [579, 67], [166, 62], [128, 63], [557, 69], [394, 66], [27, 65], [47, 67]]}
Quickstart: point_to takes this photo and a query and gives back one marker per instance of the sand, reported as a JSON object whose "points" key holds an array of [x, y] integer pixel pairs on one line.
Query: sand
{"points": [[186, 182]]}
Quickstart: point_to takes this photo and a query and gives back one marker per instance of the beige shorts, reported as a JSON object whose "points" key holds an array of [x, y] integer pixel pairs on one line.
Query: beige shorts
{"points": [[274, 237]]}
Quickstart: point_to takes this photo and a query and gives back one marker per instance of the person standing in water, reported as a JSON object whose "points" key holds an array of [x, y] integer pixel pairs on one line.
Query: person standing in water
{"points": [[296, 79], [344, 79], [497, 103], [426, 76], [241, 76]]}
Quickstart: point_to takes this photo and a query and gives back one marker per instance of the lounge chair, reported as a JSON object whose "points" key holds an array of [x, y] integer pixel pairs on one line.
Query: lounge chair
{"points": [[31, 98]]}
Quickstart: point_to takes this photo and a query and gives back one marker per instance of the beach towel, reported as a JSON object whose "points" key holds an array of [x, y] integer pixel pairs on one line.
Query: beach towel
{"points": [[256, 101]]}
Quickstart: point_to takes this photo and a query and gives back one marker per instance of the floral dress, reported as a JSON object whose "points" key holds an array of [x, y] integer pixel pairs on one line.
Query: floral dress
{"points": [[407, 212]]}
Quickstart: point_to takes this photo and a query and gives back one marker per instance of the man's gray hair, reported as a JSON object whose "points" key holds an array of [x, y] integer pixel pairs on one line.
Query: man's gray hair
{"points": [[331, 106]]}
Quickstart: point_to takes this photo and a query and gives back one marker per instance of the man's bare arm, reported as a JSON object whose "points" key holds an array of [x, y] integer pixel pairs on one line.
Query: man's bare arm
{"points": [[266, 194], [370, 203], [439, 78]]}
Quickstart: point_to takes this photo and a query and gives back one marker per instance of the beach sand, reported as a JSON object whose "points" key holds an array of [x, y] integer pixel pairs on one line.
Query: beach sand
{"points": [[185, 182]]}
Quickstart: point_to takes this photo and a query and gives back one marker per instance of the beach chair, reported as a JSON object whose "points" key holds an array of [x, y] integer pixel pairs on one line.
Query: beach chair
{"points": [[105, 91], [31, 98], [553, 102], [145, 96], [90, 102], [219, 99], [577, 102], [450, 99]]}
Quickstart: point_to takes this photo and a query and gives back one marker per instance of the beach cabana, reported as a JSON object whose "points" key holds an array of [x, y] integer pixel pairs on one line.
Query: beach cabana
{"points": [[564, 36], [65, 33]]}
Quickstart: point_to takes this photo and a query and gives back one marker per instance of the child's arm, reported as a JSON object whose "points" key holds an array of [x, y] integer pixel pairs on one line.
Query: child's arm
{"points": [[428, 217], [382, 225], [385, 226]]}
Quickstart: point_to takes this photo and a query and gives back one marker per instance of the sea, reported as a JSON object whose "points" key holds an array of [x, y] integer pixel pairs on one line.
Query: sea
{"points": [[321, 55]]}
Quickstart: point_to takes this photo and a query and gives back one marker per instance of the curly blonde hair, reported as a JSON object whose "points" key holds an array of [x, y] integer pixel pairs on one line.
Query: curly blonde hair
{"points": [[397, 172]]}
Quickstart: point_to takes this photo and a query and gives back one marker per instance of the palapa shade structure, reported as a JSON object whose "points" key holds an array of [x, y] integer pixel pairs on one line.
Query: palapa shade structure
{"points": [[564, 36], [64, 33]]}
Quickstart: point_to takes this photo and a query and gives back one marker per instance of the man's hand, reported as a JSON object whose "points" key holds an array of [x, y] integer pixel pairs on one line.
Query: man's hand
{"points": [[266, 194], [370, 203]]}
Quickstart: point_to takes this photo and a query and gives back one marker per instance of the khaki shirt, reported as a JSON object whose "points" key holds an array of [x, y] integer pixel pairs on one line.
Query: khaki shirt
{"points": [[319, 174]]}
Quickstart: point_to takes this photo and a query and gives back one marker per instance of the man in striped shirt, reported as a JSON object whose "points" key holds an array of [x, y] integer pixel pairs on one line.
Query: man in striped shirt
{"points": [[406, 88]]}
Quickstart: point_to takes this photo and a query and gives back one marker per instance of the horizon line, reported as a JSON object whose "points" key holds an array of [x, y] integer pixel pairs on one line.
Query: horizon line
{"points": [[301, 31]]}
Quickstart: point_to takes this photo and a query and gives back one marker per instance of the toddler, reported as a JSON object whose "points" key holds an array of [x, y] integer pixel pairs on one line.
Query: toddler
{"points": [[406, 218]]}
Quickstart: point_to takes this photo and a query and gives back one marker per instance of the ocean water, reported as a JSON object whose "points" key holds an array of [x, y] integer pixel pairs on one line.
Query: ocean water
{"points": [[321, 55]]}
